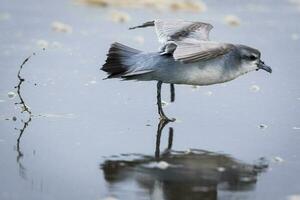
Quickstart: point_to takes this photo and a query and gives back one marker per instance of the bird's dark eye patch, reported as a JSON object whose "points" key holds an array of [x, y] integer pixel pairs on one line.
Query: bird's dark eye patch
{"points": [[252, 57]]}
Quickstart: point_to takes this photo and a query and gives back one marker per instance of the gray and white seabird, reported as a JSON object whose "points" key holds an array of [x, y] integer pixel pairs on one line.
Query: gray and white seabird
{"points": [[185, 57]]}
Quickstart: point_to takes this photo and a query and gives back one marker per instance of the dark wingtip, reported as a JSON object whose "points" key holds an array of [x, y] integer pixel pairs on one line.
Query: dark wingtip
{"points": [[146, 24]]}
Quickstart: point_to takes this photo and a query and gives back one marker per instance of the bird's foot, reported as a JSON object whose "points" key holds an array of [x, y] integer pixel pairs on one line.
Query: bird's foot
{"points": [[165, 118]]}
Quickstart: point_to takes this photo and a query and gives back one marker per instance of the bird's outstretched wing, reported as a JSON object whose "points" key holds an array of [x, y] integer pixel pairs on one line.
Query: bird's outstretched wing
{"points": [[189, 53], [178, 30], [187, 40]]}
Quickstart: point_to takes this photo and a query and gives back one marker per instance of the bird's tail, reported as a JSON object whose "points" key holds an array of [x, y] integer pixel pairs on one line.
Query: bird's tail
{"points": [[118, 61]]}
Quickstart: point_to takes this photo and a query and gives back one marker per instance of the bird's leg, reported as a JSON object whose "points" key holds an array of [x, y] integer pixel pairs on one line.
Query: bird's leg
{"points": [[170, 140], [160, 110], [162, 123], [172, 90]]}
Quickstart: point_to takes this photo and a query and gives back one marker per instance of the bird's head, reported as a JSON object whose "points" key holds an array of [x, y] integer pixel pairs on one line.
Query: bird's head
{"points": [[250, 59]]}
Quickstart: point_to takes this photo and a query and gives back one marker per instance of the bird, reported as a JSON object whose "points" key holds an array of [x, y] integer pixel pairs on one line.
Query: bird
{"points": [[186, 56]]}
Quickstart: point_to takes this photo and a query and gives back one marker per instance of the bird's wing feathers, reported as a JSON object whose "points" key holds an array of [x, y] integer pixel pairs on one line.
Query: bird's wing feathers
{"points": [[179, 30], [186, 40], [189, 53]]}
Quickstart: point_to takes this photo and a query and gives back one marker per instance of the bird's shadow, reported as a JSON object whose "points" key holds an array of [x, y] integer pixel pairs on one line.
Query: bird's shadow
{"points": [[190, 174]]}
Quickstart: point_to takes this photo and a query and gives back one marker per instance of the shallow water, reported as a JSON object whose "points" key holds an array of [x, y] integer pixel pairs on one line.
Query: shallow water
{"points": [[81, 122]]}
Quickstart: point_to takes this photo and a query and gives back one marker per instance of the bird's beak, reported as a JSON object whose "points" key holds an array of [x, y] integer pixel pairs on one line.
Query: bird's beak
{"points": [[262, 65]]}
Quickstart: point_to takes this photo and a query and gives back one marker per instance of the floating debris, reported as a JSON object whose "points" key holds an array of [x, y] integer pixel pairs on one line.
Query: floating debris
{"points": [[295, 36], [4, 16], [232, 20], [294, 197], [119, 17], [174, 5], [296, 3], [254, 88], [278, 159], [61, 27], [24, 108], [42, 43], [11, 95], [14, 118], [188, 6], [92, 82], [208, 93], [263, 126], [56, 44]]}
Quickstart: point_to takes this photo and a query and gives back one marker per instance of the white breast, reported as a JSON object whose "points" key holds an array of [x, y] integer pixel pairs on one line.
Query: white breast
{"points": [[204, 73]]}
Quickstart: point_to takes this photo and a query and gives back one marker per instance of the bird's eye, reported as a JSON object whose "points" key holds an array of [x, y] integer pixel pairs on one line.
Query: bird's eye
{"points": [[252, 57]]}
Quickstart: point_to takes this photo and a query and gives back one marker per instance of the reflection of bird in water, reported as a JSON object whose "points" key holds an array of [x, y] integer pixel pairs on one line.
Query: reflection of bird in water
{"points": [[186, 57], [179, 175]]}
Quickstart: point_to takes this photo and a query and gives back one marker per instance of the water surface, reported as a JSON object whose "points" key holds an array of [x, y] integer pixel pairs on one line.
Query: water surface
{"points": [[81, 122]]}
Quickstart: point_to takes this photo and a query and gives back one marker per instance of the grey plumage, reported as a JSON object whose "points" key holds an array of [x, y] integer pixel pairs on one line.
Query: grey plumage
{"points": [[118, 58], [189, 53], [185, 57]]}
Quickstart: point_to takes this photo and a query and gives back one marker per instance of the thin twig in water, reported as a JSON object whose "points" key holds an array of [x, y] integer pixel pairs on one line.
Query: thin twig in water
{"points": [[26, 109]]}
